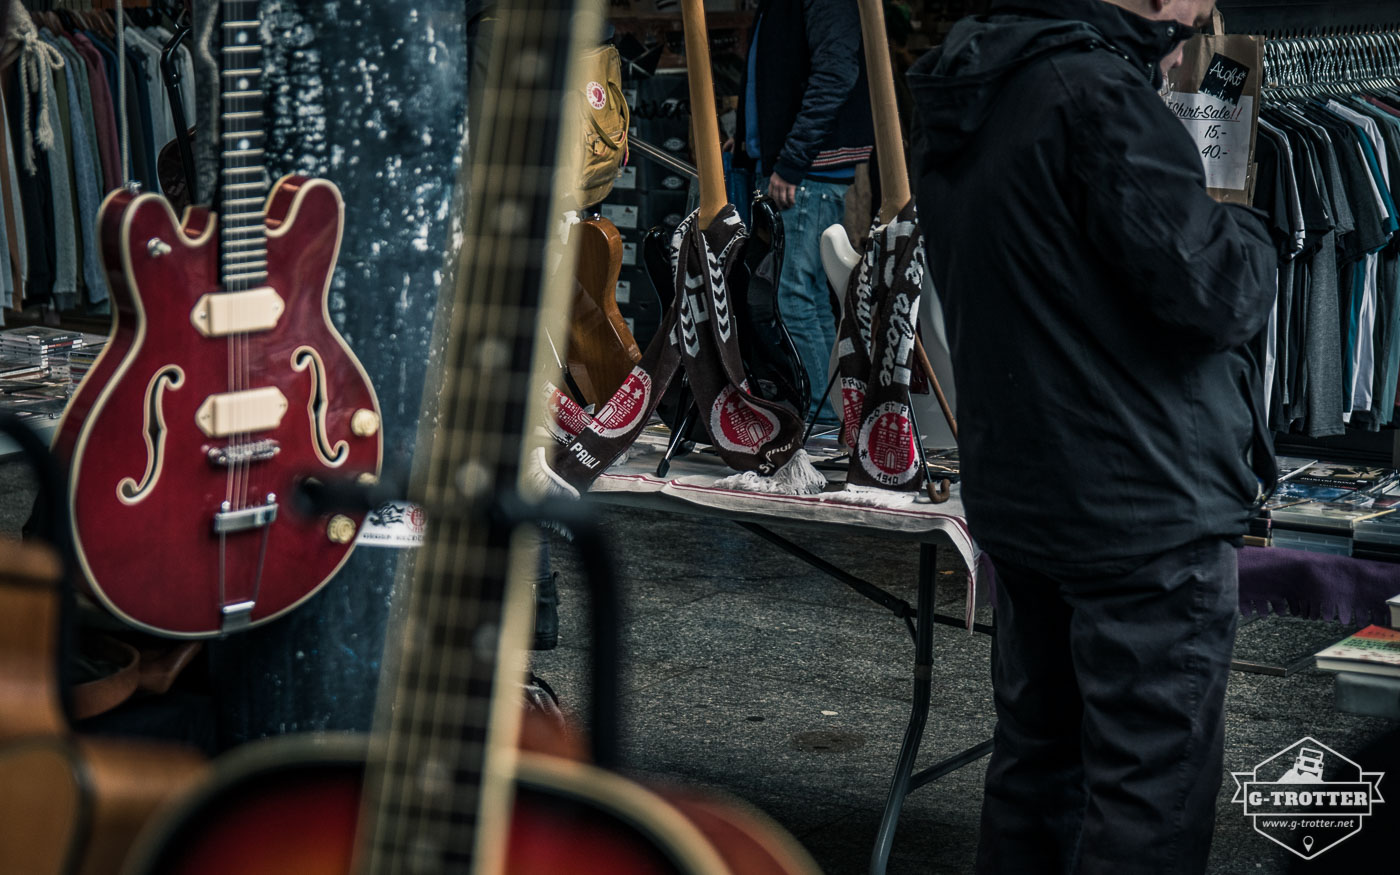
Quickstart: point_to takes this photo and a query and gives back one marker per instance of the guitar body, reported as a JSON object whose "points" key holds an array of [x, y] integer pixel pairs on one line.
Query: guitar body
{"points": [[770, 358], [70, 804], [76, 805], [301, 798], [602, 350], [141, 434]]}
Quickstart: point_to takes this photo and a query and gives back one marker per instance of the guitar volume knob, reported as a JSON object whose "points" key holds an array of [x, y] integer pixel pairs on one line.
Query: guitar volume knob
{"points": [[365, 423], [341, 529]]}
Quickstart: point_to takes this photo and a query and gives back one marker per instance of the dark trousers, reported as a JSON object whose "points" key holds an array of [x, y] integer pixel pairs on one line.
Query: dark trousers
{"points": [[1110, 694]]}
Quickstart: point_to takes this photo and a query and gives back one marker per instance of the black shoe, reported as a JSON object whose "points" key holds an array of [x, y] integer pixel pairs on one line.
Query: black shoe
{"points": [[546, 613]]}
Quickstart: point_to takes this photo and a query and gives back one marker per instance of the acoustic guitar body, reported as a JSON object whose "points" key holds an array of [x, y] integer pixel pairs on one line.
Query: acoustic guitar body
{"points": [[74, 806], [68, 805], [301, 799], [602, 350], [188, 439]]}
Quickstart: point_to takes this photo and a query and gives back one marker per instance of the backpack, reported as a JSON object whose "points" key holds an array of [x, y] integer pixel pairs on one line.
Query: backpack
{"points": [[605, 119]]}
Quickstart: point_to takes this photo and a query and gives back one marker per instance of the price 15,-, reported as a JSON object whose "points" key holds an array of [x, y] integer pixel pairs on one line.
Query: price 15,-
{"points": [[1214, 150]]}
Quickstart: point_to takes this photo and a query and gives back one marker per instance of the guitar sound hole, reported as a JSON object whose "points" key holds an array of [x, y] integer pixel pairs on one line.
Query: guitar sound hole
{"points": [[130, 490], [307, 359]]}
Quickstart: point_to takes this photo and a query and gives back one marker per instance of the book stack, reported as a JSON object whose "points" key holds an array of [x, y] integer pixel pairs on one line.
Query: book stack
{"points": [[47, 348], [1373, 650]]}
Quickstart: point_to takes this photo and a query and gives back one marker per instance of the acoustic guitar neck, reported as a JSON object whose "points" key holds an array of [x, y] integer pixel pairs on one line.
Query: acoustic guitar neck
{"points": [[704, 122], [889, 143]]}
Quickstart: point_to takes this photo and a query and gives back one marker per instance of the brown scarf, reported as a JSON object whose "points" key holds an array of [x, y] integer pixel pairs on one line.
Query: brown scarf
{"points": [[876, 344]]}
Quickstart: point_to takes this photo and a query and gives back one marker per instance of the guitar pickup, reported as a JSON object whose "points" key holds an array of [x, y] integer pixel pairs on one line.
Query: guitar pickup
{"points": [[243, 454], [241, 412], [227, 522], [223, 313]]}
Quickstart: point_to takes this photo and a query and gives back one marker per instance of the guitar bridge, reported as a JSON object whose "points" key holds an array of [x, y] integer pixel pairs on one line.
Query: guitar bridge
{"points": [[227, 522], [242, 454]]}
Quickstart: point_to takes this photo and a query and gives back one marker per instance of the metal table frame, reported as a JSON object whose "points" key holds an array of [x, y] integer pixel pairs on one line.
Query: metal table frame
{"points": [[920, 621]]}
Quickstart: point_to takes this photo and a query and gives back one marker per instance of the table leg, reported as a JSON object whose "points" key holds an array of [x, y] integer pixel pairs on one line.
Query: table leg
{"points": [[918, 713]]}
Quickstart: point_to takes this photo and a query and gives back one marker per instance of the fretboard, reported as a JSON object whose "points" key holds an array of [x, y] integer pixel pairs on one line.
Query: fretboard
{"points": [[434, 803], [243, 180]]}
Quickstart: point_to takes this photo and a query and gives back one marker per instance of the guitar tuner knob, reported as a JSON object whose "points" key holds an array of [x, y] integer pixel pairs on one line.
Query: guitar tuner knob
{"points": [[365, 423], [341, 529], [157, 247]]}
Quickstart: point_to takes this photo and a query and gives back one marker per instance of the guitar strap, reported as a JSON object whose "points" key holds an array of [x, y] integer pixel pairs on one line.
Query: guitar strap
{"points": [[876, 348], [699, 333]]}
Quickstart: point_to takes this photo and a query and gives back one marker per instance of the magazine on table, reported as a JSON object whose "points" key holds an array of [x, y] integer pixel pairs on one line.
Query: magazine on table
{"points": [[1354, 477]]}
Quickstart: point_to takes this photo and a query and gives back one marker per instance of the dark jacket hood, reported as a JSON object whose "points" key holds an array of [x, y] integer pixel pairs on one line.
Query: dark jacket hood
{"points": [[955, 85]]}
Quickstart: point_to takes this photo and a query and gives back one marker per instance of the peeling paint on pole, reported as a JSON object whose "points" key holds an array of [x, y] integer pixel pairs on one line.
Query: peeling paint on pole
{"points": [[372, 96]]}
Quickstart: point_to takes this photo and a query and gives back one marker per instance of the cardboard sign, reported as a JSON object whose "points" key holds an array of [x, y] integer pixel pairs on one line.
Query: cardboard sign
{"points": [[1215, 93]]}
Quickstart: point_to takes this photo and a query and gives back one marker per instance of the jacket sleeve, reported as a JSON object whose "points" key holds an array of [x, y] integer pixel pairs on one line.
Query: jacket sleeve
{"points": [[1203, 269], [834, 47]]}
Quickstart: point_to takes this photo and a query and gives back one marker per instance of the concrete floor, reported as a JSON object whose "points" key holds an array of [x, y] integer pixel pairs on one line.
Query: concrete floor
{"points": [[749, 673], [736, 655]]}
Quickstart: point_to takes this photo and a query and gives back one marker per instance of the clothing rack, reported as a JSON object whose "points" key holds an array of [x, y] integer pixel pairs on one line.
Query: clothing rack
{"points": [[1310, 64], [1347, 59], [1282, 18]]}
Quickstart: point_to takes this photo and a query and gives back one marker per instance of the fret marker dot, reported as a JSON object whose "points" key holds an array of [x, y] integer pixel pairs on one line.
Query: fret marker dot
{"points": [[492, 355], [241, 38], [484, 643], [530, 67], [435, 778], [243, 143], [511, 217], [243, 84], [425, 855], [473, 479]]}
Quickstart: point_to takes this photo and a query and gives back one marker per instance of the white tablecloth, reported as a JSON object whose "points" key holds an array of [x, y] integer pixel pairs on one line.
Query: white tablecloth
{"points": [[691, 480]]}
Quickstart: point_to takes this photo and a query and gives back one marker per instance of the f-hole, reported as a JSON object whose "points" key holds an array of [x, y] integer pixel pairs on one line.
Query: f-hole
{"points": [[129, 490], [333, 456]]}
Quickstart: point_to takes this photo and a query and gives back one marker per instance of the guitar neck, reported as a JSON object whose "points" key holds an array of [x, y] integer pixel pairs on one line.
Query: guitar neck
{"points": [[889, 142], [243, 180], [439, 791], [704, 123]]}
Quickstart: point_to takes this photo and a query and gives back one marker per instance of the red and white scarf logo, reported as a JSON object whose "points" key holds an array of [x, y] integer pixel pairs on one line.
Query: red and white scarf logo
{"points": [[629, 403], [887, 445], [739, 426]]}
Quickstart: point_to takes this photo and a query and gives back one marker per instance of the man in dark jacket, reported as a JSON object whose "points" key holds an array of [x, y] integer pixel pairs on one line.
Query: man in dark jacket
{"points": [[1100, 308], [804, 124]]}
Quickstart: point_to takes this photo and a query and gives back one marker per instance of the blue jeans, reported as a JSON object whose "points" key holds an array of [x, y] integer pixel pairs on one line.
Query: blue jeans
{"points": [[803, 299]]}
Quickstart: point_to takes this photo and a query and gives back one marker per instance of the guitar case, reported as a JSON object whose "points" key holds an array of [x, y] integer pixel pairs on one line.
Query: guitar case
{"points": [[771, 363]]}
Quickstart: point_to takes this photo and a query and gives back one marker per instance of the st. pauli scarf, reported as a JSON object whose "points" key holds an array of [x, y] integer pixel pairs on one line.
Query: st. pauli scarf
{"points": [[699, 333], [876, 349]]}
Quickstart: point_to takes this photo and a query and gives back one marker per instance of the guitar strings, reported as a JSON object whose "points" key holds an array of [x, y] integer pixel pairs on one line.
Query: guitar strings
{"points": [[482, 279]]}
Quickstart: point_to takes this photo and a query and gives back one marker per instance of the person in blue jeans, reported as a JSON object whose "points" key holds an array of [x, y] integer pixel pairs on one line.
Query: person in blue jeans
{"points": [[804, 124]]}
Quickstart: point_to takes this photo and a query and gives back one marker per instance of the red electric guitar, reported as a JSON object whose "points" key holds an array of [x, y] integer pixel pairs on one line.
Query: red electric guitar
{"points": [[447, 790], [223, 385]]}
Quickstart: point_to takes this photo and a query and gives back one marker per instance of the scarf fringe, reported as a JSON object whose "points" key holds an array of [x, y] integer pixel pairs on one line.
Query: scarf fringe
{"points": [[871, 496], [797, 477], [542, 479]]}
